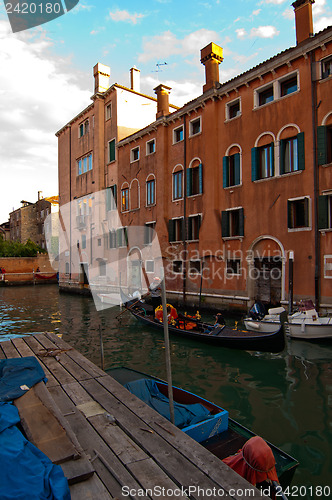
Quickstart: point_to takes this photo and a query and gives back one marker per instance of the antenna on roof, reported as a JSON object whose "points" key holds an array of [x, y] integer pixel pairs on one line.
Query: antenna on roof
{"points": [[158, 70]]}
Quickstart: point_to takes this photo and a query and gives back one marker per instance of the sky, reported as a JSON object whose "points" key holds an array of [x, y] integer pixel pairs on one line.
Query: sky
{"points": [[46, 73]]}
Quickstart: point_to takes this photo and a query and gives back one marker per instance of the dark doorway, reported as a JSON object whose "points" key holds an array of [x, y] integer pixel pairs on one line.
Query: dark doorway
{"points": [[268, 273]]}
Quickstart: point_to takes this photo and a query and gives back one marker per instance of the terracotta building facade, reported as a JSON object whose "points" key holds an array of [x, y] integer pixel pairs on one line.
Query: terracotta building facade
{"points": [[234, 182]]}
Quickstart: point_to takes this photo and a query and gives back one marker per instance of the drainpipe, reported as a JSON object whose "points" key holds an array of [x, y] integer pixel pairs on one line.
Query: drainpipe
{"points": [[316, 177], [184, 210], [70, 227]]}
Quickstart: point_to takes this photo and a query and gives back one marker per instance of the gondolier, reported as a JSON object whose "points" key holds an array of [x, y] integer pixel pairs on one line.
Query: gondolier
{"points": [[155, 292]]}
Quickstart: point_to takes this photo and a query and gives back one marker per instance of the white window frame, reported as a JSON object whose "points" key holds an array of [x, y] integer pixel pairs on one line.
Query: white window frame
{"points": [[191, 123], [108, 112], [146, 266], [307, 228], [229, 105], [132, 159], [151, 141], [174, 134]]}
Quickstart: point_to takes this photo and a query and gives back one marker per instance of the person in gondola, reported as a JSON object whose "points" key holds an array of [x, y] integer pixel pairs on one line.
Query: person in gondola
{"points": [[219, 322], [155, 292]]}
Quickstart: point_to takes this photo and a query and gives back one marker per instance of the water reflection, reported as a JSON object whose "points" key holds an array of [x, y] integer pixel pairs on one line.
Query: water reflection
{"points": [[286, 398]]}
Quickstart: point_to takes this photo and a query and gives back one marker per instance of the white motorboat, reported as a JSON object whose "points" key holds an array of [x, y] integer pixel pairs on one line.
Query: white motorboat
{"points": [[302, 324]]}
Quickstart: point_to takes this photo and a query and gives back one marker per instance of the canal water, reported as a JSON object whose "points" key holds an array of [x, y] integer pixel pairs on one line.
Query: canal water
{"points": [[285, 398]]}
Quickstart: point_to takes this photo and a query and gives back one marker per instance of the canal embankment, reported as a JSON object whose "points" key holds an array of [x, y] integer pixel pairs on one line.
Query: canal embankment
{"points": [[27, 271]]}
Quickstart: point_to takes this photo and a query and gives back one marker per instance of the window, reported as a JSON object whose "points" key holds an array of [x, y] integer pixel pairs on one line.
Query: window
{"points": [[265, 96], [262, 162], [112, 239], [176, 229], [178, 134], [83, 128], [178, 185], [233, 109], [292, 154], [194, 224], [67, 268], [111, 199], [134, 154], [150, 192], [195, 126], [102, 268], [177, 266], [195, 180], [111, 150], [298, 213], [149, 232], [108, 111], [233, 266], [288, 86], [232, 223], [122, 237], [125, 199], [99, 242], [325, 211], [84, 164], [86, 127], [149, 266], [194, 267], [83, 241], [231, 170], [324, 145], [151, 147], [326, 67]]}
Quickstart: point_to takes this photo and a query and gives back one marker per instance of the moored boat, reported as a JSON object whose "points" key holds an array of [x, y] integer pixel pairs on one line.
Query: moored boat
{"points": [[217, 432]]}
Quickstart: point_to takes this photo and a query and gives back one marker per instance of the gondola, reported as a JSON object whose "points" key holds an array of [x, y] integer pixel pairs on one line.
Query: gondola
{"points": [[221, 335], [227, 437]]}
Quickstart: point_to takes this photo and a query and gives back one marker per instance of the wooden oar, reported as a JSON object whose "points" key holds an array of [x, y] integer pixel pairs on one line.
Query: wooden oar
{"points": [[132, 305]]}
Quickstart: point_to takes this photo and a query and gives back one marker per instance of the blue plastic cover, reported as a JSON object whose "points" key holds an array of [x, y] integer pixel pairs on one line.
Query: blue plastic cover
{"points": [[25, 472], [17, 375], [184, 415]]}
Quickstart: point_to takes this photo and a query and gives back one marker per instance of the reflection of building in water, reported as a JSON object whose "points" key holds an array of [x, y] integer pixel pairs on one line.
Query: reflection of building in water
{"points": [[229, 181]]}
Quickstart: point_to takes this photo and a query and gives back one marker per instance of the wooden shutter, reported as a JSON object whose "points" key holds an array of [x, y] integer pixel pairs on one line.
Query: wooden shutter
{"points": [[241, 222], [254, 164], [171, 230], [322, 145], [225, 224], [189, 228], [282, 156], [108, 199], [300, 151], [111, 145], [189, 181], [290, 224], [115, 196], [225, 171], [237, 172], [323, 203], [200, 179]]}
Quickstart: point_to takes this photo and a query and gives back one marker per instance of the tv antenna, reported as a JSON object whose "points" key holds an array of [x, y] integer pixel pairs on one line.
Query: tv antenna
{"points": [[158, 70]]}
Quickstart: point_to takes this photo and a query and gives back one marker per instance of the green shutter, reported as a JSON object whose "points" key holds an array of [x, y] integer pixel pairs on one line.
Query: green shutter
{"points": [[237, 172], [199, 222], [300, 151], [272, 156], [323, 203], [189, 228], [183, 229], [322, 145], [224, 224], [282, 156], [200, 178], [189, 182], [254, 164], [111, 151], [171, 234], [289, 215], [119, 235], [225, 171], [115, 196], [241, 222], [108, 199]]}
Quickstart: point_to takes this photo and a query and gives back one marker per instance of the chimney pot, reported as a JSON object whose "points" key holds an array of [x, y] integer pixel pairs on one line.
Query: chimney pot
{"points": [[211, 57], [303, 19], [101, 75], [162, 92], [135, 83]]}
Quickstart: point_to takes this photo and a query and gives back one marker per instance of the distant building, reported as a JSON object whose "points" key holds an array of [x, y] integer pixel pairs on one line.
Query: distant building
{"points": [[232, 182], [5, 231], [27, 222]]}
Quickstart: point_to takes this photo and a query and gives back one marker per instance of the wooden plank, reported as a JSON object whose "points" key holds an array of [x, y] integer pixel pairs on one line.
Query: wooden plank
{"points": [[24, 350], [9, 350], [108, 467], [43, 429], [77, 470], [90, 367], [92, 489], [2, 354]]}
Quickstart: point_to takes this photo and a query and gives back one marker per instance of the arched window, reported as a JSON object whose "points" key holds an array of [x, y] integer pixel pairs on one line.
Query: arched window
{"points": [[195, 178], [177, 183], [232, 167], [125, 197], [150, 191], [134, 194], [262, 157]]}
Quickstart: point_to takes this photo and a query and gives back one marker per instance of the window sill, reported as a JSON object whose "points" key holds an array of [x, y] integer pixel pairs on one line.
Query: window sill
{"points": [[326, 165], [177, 142], [233, 118], [233, 238], [327, 230], [233, 187], [298, 229], [193, 195], [195, 135], [176, 200]]}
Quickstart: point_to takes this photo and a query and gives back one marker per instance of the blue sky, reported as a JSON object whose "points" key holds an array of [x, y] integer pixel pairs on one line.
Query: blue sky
{"points": [[46, 72]]}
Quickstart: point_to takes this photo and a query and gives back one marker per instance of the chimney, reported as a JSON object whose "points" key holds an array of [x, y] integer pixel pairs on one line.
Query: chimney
{"points": [[162, 100], [135, 81], [102, 75], [40, 195], [303, 19], [211, 57]]}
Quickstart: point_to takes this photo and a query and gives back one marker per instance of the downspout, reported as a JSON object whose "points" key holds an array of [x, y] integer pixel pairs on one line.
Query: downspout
{"points": [[184, 235], [316, 177], [70, 235]]}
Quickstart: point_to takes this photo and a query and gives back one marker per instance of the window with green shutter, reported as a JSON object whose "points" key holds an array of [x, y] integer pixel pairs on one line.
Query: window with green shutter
{"points": [[193, 225], [324, 145], [111, 200], [231, 170], [195, 180], [298, 213], [176, 229], [232, 223], [292, 154], [111, 150], [325, 212]]}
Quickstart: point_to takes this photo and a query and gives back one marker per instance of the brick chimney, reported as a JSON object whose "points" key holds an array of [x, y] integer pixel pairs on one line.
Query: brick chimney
{"points": [[162, 100], [102, 75], [303, 19], [211, 57], [135, 81]]}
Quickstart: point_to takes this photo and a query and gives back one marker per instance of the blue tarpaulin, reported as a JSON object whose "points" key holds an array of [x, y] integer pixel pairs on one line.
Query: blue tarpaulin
{"points": [[184, 415], [25, 472]]}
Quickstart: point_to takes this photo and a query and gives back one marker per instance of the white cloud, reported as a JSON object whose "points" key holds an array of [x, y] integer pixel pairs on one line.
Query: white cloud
{"points": [[264, 32], [322, 23], [39, 94], [256, 12], [275, 2], [289, 14], [241, 33], [167, 44], [125, 16]]}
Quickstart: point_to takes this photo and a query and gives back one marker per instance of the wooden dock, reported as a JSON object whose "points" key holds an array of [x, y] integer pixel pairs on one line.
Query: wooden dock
{"points": [[122, 448]]}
